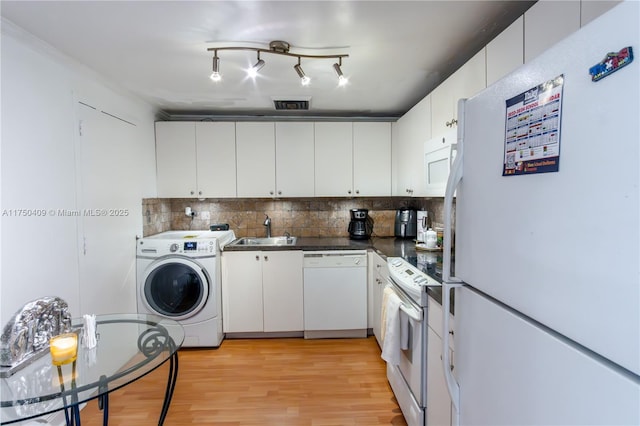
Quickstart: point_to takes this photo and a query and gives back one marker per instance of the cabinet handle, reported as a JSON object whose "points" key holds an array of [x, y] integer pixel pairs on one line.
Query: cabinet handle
{"points": [[270, 192], [199, 192], [257, 257], [279, 192], [451, 123], [192, 192], [349, 192], [266, 258], [357, 191]]}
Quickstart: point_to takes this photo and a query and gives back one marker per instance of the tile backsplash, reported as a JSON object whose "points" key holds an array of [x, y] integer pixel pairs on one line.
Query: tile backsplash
{"points": [[302, 217]]}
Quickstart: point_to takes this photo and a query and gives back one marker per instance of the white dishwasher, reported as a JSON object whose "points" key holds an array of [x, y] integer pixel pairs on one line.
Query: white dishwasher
{"points": [[335, 294]]}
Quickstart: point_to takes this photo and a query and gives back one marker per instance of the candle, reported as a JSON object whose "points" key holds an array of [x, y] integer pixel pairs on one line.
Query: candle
{"points": [[64, 348]]}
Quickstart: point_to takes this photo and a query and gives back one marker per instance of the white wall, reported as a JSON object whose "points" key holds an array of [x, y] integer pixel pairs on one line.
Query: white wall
{"points": [[46, 166]]}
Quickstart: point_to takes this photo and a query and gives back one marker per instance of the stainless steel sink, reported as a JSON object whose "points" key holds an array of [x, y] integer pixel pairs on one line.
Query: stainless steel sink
{"points": [[259, 241]]}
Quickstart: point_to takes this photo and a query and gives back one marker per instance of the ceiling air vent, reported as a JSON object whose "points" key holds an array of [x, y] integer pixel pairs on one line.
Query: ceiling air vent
{"points": [[291, 105]]}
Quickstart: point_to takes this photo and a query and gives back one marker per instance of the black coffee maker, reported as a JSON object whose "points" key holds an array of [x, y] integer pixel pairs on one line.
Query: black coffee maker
{"points": [[361, 225]]}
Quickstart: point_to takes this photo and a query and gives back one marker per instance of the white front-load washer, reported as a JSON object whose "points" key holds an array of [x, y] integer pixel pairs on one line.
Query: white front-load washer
{"points": [[178, 277]]}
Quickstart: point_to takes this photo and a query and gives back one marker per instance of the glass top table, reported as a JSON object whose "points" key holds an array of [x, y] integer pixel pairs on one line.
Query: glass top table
{"points": [[129, 347]]}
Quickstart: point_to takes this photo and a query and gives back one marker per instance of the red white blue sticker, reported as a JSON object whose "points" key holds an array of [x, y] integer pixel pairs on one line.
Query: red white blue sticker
{"points": [[532, 130], [611, 63]]}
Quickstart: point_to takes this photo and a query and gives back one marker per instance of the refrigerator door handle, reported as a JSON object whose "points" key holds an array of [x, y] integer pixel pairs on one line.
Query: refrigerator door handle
{"points": [[455, 176], [448, 281]]}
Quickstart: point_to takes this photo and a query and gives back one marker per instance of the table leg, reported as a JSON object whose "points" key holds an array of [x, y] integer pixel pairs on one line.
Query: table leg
{"points": [[171, 384], [103, 400], [72, 413], [67, 420], [75, 406]]}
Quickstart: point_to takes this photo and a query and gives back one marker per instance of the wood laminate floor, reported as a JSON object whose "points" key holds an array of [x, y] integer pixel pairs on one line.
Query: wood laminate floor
{"points": [[264, 382]]}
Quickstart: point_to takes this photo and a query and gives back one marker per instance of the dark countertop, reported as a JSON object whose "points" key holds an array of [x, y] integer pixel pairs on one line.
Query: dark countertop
{"points": [[428, 262]]}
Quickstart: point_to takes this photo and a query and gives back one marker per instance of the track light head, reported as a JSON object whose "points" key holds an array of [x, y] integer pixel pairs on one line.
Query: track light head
{"points": [[253, 71], [215, 75], [342, 80], [303, 78]]}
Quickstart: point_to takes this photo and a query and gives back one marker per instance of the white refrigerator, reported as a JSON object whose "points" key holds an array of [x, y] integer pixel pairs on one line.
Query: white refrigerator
{"points": [[547, 236]]}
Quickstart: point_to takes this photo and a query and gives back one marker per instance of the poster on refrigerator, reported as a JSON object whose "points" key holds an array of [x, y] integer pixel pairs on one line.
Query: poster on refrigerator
{"points": [[532, 130]]}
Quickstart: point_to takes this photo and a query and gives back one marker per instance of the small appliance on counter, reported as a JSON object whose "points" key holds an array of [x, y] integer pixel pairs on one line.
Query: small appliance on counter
{"points": [[361, 224], [406, 223], [422, 226]]}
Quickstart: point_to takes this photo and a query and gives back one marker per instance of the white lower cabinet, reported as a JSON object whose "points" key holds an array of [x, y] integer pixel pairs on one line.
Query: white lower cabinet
{"points": [[378, 274], [438, 401], [262, 291]]}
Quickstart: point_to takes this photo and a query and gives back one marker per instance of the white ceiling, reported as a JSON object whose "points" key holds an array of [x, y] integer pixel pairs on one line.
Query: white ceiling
{"points": [[398, 50]]}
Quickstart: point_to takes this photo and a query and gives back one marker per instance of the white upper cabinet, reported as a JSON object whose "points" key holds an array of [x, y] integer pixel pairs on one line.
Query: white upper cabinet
{"points": [[591, 9], [467, 81], [256, 161], [546, 23], [333, 159], [176, 159], [371, 159], [216, 159], [505, 53], [294, 159], [195, 159], [410, 133], [352, 159]]}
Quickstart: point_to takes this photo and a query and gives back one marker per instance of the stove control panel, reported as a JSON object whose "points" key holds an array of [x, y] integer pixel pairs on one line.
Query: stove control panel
{"points": [[408, 277]]}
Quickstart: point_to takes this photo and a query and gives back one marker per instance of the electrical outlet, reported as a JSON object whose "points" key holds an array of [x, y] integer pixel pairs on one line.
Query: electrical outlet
{"points": [[205, 215]]}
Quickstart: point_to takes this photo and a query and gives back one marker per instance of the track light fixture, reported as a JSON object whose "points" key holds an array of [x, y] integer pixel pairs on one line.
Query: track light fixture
{"points": [[215, 75], [278, 47]]}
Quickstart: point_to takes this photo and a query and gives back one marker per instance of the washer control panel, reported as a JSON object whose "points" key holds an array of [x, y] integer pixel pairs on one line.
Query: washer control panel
{"points": [[186, 247]]}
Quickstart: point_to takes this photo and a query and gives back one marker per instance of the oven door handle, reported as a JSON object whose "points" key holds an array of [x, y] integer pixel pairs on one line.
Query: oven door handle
{"points": [[412, 313]]}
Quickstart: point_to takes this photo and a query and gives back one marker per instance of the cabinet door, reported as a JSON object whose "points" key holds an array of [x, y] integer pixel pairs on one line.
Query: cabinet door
{"points": [[372, 159], [256, 161], [378, 278], [438, 400], [442, 111], [242, 292], [282, 290], [294, 159], [333, 159], [470, 79], [467, 81], [546, 23], [591, 9], [176, 159], [216, 159], [505, 53], [412, 130]]}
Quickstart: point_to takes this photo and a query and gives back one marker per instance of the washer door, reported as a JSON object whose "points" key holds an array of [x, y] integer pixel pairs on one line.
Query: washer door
{"points": [[176, 288]]}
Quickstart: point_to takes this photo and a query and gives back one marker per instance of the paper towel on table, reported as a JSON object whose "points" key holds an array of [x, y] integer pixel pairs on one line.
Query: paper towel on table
{"points": [[89, 338]]}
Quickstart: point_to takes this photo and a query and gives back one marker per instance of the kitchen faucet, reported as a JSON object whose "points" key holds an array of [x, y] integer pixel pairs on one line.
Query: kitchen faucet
{"points": [[267, 223]]}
